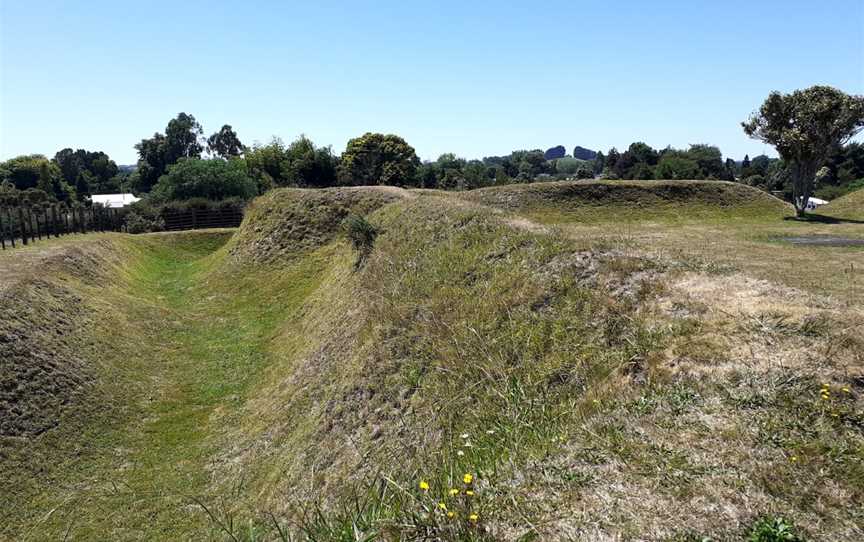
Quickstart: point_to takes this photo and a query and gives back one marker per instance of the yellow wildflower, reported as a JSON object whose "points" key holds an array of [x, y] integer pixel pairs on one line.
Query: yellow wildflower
{"points": [[442, 506], [794, 458], [473, 517], [846, 390], [470, 493], [450, 514], [424, 485], [468, 478], [454, 492]]}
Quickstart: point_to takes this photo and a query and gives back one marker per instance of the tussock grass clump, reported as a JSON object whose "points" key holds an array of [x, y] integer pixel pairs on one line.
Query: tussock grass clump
{"points": [[362, 235]]}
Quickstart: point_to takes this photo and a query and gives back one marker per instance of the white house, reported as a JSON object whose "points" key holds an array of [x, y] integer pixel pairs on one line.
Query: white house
{"points": [[812, 203], [114, 201]]}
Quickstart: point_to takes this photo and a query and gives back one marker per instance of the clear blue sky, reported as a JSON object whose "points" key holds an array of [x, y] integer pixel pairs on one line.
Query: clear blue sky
{"points": [[474, 78]]}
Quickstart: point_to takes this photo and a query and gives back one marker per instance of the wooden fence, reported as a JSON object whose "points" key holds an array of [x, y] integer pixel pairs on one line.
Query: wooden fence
{"points": [[25, 224], [196, 219]]}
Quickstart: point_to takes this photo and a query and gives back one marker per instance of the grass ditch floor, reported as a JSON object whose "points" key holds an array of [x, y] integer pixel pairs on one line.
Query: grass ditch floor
{"points": [[184, 352]]}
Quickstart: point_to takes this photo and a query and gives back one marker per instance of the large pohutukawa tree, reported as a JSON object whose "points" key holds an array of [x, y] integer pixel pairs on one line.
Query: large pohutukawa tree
{"points": [[806, 127]]}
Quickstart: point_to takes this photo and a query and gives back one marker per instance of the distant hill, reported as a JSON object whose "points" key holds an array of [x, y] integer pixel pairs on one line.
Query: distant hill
{"points": [[555, 153], [127, 168], [584, 154]]}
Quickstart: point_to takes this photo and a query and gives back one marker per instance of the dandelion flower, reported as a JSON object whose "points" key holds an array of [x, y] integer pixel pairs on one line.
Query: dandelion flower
{"points": [[442, 506], [470, 493], [450, 514], [846, 390], [424, 485], [473, 517], [794, 458], [468, 478], [454, 492]]}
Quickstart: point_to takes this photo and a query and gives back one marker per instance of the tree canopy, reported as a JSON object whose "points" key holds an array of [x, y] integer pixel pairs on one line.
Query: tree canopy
{"points": [[378, 159], [181, 140], [210, 179], [225, 143], [806, 127]]}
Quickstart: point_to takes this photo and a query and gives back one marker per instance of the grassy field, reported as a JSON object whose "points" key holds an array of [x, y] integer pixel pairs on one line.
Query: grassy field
{"points": [[601, 361]]}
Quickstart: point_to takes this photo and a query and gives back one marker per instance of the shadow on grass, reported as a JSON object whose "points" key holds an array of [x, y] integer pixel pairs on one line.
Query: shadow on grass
{"points": [[822, 219]]}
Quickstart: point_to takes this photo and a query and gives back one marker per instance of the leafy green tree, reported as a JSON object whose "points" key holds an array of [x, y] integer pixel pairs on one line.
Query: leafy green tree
{"points": [[35, 171], [210, 179], [308, 165], [599, 163], [677, 165], [378, 159], [710, 161], [806, 127], [475, 174], [636, 162], [425, 176], [759, 164], [268, 164], [181, 140], [225, 143], [731, 169], [89, 172]]}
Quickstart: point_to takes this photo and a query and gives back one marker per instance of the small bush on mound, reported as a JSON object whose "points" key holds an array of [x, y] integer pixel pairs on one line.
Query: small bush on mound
{"points": [[362, 235]]}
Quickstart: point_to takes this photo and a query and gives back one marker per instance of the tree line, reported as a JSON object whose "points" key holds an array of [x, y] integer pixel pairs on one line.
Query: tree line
{"points": [[181, 164]]}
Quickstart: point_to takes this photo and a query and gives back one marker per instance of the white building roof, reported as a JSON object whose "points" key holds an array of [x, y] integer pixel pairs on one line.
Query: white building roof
{"points": [[114, 201]]}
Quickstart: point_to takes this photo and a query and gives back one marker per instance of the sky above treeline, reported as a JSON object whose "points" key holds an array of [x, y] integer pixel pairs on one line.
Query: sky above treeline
{"points": [[472, 78]]}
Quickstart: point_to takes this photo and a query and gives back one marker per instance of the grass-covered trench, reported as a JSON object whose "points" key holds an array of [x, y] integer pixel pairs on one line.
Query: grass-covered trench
{"points": [[178, 353]]}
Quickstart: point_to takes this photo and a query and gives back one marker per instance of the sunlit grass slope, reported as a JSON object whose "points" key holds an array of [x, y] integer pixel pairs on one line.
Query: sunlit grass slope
{"points": [[629, 201], [473, 377]]}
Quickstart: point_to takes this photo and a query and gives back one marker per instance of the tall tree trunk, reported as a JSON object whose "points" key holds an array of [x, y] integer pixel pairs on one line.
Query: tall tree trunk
{"points": [[803, 173]]}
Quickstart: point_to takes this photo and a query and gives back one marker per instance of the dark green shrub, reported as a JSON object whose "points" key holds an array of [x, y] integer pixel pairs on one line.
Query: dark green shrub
{"points": [[770, 529], [137, 223]]}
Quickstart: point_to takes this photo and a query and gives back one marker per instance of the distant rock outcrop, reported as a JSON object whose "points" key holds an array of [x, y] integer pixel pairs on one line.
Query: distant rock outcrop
{"points": [[555, 152], [583, 154]]}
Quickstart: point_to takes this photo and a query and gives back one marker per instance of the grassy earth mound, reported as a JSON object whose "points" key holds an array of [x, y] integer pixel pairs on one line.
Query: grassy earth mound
{"points": [[45, 371], [587, 201], [850, 206], [288, 221], [474, 377]]}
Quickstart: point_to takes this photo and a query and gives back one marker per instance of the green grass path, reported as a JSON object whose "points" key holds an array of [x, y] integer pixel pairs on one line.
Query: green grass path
{"points": [[203, 342]]}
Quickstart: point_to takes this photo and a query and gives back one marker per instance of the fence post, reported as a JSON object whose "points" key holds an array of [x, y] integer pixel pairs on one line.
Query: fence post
{"points": [[11, 226], [21, 225], [38, 228]]}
